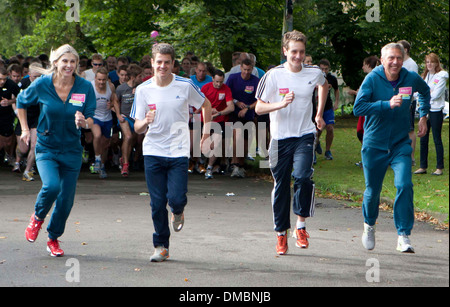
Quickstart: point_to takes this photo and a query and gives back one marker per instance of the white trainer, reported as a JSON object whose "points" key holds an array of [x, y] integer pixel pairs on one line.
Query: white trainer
{"points": [[161, 253], [404, 245], [235, 172], [368, 237]]}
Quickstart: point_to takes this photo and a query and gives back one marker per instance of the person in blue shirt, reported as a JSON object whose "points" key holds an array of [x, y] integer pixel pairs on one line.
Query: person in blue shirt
{"points": [[384, 98], [201, 77], [67, 103]]}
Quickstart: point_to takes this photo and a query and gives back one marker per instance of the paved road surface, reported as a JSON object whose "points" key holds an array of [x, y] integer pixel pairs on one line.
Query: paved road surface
{"points": [[227, 241]]}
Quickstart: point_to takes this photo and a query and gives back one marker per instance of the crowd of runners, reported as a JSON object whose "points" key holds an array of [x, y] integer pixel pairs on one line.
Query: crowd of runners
{"points": [[178, 117]]}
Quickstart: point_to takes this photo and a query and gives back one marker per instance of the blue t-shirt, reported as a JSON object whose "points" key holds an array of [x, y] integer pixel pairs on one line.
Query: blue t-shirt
{"points": [[244, 91], [113, 76], [200, 84]]}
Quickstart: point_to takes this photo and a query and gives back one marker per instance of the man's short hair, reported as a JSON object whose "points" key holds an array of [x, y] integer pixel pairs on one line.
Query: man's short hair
{"points": [[16, 68], [102, 70], [145, 65], [97, 57], [392, 46], [293, 36], [405, 45], [247, 62], [134, 70], [324, 62], [163, 48], [123, 59], [219, 73], [122, 67], [202, 64]]}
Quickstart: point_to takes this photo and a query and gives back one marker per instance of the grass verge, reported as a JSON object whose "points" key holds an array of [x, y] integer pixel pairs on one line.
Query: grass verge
{"points": [[341, 178]]}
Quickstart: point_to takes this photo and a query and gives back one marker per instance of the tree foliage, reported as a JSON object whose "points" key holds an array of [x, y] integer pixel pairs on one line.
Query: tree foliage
{"points": [[213, 29]]}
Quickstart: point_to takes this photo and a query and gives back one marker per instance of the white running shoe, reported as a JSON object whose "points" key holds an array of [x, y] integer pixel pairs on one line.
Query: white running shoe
{"points": [[28, 176], [161, 253], [209, 174], [368, 237], [404, 245], [235, 172]]}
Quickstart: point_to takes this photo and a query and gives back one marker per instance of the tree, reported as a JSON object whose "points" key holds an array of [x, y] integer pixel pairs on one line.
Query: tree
{"points": [[123, 27], [341, 32], [338, 30], [214, 29]]}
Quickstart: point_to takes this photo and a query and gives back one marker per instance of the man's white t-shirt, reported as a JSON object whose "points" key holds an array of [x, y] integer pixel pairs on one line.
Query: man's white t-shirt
{"points": [[168, 135], [296, 119], [411, 65], [89, 75]]}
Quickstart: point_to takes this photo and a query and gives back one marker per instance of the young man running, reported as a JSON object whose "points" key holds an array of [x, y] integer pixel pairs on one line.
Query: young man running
{"points": [[285, 93], [161, 110]]}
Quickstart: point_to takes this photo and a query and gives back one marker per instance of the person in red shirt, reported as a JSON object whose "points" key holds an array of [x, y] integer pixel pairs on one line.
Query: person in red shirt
{"points": [[222, 104]]}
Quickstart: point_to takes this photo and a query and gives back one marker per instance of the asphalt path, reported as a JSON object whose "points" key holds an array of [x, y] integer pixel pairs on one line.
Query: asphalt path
{"points": [[228, 241]]}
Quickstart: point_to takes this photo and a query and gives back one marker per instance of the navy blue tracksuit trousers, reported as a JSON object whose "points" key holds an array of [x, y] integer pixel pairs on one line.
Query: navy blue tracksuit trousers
{"points": [[292, 157]]}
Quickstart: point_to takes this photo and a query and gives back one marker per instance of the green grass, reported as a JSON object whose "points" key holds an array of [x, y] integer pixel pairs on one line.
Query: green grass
{"points": [[341, 178]]}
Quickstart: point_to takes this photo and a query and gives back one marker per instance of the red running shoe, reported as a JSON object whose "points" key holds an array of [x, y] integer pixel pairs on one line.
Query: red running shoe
{"points": [[282, 246], [54, 249], [302, 238], [125, 169], [33, 228]]}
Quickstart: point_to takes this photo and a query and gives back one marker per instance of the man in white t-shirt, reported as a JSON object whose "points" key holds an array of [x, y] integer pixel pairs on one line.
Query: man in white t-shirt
{"points": [[96, 62], [285, 93], [161, 110]]}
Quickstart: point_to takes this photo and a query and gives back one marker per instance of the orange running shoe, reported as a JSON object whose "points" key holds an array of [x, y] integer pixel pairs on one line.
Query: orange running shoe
{"points": [[282, 246], [302, 238]]}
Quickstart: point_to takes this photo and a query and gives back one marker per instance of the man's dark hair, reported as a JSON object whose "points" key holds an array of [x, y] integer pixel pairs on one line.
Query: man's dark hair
{"points": [[325, 62], [219, 73], [247, 62]]}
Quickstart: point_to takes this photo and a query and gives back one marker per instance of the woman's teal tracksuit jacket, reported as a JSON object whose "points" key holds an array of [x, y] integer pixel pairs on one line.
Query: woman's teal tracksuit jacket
{"points": [[58, 148]]}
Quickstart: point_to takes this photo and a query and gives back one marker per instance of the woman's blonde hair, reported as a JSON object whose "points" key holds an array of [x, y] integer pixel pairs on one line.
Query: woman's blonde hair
{"points": [[55, 55]]}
